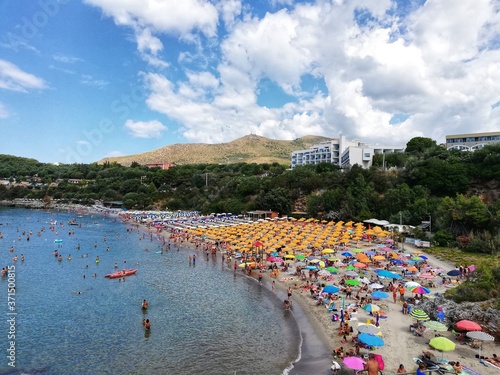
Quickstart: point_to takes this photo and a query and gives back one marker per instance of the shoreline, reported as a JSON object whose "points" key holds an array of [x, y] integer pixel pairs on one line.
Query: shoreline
{"points": [[318, 332]]}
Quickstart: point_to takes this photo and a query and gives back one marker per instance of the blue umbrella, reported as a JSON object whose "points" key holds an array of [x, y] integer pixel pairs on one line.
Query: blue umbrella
{"points": [[370, 340], [454, 273], [370, 253], [346, 254], [312, 268], [379, 294], [396, 261], [330, 289], [385, 273]]}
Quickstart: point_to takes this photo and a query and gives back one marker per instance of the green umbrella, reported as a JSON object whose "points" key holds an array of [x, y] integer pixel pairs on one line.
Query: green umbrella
{"points": [[419, 314], [435, 325], [332, 269], [352, 282], [442, 343], [356, 250], [300, 257], [350, 268]]}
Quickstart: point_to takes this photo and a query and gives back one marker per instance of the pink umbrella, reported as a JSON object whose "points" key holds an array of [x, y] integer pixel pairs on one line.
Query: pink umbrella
{"points": [[275, 259], [472, 268], [354, 363]]}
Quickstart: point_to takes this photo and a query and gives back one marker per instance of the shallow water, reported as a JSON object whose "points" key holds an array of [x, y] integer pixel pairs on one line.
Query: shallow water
{"points": [[204, 320]]}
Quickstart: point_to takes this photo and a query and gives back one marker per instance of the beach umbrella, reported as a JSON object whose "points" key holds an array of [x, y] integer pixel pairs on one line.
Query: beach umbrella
{"points": [[389, 274], [350, 268], [420, 290], [331, 289], [352, 282], [300, 264], [411, 284], [379, 257], [454, 273], [357, 250], [435, 325], [360, 265], [370, 340], [351, 273], [312, 268], [332, 269], [378, 294], [354, 363], [346, 254], [416, 252], [482, 336], [419, 314], [371, 307], [327, 251], [442, 343], [300, 257], [467, 325], [375, 286], [364, 280], [257, 244], [370, 253], [368, 328]]}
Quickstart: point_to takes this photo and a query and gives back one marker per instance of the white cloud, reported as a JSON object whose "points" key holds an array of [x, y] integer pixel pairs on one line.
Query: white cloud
{"points": [[4, 113], [88, 80], [437, 64], [14, 79], [66, 59], [169, 16], [145, 129]]}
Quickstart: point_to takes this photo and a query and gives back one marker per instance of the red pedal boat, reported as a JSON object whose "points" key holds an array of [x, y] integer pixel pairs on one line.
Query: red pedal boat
{"points": [[117, 274]]}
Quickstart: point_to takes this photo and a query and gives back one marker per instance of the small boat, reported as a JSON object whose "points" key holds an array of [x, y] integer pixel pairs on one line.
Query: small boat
{"points": [[117, 274]]}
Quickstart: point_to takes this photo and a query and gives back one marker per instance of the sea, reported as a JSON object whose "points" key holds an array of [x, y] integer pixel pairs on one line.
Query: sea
{"points": [[65, 317]]}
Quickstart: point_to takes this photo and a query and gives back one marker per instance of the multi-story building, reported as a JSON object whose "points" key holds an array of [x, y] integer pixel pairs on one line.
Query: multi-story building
{"points": [[341, 152], [471, 142]]}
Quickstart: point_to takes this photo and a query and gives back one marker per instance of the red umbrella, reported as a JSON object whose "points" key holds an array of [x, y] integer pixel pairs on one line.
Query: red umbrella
{"points": [[257, 244], [467, 325]]}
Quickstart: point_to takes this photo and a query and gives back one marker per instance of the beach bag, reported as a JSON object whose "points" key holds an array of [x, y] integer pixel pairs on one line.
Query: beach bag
{"points": [[335, 317]]}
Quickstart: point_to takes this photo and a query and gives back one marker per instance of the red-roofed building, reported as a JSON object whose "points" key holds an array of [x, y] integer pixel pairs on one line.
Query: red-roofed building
{"points": [[161, 165]]}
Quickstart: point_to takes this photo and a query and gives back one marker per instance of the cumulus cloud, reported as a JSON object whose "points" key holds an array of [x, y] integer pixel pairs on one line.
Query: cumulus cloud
{"points": [[434, 64], [145, 129], [14, 79], [171, 17]]}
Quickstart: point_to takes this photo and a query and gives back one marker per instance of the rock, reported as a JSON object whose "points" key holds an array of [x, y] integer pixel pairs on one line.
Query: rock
{"points": [[488, 318]]}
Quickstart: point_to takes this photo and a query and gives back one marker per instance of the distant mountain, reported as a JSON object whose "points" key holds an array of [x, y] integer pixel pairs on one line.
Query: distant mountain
{"points": [[248, 149]]}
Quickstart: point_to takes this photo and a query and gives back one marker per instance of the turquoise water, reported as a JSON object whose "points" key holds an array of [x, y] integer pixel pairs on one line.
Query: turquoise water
{"points": [[204, 320]]}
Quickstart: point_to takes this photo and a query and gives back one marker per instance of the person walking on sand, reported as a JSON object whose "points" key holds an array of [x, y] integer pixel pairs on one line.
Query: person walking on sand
{"points": [[273, 285], [394, 294], [289, 292], [260, 278], [371, 366]]}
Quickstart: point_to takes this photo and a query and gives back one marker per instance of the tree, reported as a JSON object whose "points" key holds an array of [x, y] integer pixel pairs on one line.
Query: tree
{"points": [[420, 144]]}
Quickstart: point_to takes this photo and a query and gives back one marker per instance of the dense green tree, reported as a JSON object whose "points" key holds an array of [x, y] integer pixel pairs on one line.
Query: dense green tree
{"points": [[419, 144]]}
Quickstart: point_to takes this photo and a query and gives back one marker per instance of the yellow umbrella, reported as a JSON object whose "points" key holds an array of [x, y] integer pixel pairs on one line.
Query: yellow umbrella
{"points": [[379, 257], [289, 256], [327, 251]]}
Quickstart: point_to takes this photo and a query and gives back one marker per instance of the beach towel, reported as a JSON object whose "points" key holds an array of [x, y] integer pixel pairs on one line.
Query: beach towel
{"points": [[468, 371]]}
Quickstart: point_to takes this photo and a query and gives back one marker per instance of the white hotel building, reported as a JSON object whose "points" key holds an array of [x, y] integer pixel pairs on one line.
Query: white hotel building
{"points": [[341, 152]]}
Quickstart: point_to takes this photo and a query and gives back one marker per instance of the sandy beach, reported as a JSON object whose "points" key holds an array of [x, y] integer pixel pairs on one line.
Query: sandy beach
{"points": [[320, 334]]}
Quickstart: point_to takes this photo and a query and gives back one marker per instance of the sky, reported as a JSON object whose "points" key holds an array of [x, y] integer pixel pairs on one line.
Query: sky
{"points": [[81, 80]]}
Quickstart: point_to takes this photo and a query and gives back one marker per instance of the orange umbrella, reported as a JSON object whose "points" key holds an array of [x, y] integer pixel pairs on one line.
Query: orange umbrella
{"points": [[359, 265]]}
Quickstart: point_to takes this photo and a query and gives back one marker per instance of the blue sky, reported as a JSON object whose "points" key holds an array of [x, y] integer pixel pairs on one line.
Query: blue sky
{"points": [[83, 80]]}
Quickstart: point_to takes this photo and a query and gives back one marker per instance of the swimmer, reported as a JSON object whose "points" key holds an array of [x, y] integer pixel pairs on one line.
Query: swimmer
{"points": [[147, 324], [144, 304]]}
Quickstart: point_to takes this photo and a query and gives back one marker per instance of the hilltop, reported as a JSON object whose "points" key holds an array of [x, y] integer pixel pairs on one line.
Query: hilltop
{"points": [[248, 149]]}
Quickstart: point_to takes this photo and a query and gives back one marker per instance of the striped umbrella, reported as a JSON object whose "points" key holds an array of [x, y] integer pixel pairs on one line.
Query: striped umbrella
{"points": [[435, 325], [419, 314], [420, 290]]}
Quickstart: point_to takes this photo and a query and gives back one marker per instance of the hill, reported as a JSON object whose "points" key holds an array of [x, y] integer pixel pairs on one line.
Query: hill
{"points": [[248, 149]]}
